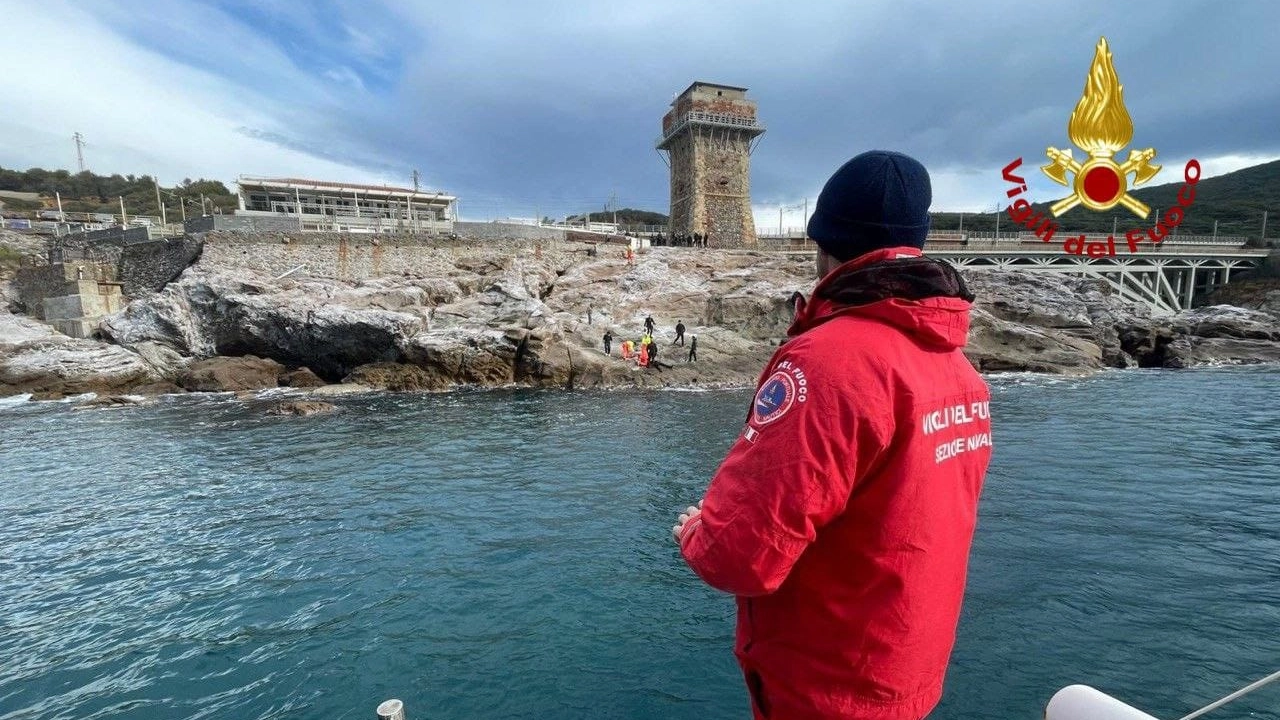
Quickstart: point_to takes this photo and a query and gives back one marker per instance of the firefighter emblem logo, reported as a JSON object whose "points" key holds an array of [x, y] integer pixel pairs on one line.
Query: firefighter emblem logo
{"points": [[1100, 126]]}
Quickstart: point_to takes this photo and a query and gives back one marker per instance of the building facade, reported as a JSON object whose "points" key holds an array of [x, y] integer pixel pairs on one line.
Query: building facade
{"points": [[346, 207], [708, 136]]}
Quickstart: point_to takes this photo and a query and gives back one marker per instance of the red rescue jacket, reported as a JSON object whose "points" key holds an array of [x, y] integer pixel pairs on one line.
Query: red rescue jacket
{"points": [[842, 516]]}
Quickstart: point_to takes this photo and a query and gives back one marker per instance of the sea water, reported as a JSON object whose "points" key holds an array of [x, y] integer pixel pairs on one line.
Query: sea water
{"points": [[507, 554]]}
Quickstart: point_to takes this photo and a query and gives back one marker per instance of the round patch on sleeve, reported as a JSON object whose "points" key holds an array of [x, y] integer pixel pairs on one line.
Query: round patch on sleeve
{"points": [[774, 399]]}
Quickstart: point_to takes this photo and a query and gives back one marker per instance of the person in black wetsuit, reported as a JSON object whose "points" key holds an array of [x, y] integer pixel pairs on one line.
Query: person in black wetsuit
{"points": [[680, 333], [693, 348], [608, 341], [648, 325]]}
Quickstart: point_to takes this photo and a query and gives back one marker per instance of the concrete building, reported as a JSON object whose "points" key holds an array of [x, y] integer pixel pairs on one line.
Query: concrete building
{"points": [[708, 136], [71, 296], [346, 207]]}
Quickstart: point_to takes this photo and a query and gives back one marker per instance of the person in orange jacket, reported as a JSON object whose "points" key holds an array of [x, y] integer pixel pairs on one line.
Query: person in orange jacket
{"points": [[843, 515]]}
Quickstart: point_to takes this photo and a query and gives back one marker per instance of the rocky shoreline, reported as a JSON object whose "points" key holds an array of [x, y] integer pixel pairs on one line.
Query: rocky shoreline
{"points": [[494, 317]]}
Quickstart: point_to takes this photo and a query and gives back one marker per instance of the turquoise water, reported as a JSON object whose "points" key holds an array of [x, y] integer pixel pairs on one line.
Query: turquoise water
{"points": [[507, 554]]}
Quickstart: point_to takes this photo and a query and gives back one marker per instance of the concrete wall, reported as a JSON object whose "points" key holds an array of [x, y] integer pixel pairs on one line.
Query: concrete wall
{"points": [[505, 231], [121, 235], [353, 257], [84, 299], [36, 284], [241, 223]]}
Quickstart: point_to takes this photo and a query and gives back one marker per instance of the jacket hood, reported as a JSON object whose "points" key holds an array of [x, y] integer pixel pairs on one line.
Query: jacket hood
{"points": [[920, 296]]}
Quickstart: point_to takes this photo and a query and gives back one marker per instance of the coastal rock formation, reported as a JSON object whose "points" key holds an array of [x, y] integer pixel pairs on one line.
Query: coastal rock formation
{"points": [[301, 378], [498, 316], [302, 408], [1048, 323], [34, 358], [113, 401], [15, 250], [325, 326], [488, 319], [1222, 334], [231, 374]]}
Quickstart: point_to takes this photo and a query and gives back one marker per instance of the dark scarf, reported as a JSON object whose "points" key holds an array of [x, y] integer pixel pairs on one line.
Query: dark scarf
{"points": [[914, 278]]}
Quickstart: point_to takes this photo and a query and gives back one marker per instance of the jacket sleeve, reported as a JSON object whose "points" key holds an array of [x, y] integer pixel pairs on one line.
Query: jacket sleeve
{"points": [[788, 474]]}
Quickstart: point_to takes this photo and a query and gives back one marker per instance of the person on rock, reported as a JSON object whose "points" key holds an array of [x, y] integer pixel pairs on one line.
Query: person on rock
{"points": [[693, 349], [843, 515], [608, 341], [648, 325], [679, 333]]}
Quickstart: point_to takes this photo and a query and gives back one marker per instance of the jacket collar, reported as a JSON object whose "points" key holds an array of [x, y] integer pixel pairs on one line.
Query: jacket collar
{"points": [[923, 297]]}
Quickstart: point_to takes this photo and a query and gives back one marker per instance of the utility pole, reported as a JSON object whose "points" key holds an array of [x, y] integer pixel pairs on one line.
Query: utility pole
{"points": [[1113, 226], [124, 218], [779, 221], [997, 221], [1263, 240], [61, 217], [415, 181], [1215, 229], [805, 229], [79, 149], [163, 218], [961, 222]]}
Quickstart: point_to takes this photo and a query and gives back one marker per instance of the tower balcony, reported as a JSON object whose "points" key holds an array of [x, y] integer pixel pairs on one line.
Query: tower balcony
{"points": [[748, 125]]}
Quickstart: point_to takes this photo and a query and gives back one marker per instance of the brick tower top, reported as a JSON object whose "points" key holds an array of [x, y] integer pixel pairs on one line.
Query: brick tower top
{"points": [[707, 103]]}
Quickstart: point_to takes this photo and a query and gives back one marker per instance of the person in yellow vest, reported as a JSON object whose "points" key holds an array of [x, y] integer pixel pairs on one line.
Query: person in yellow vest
{"points": [[646, 339], [626, 349]]}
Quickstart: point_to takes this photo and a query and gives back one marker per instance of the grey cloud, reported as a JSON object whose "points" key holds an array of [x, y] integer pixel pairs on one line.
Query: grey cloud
{"points": [[556, 105]]}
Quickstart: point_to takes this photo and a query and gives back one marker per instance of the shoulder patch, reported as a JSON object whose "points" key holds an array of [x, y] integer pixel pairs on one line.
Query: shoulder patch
{"points": [[780, 392]]}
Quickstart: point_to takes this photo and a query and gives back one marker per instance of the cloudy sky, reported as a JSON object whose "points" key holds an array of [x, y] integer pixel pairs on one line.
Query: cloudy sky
{"points": [[529, 106]]}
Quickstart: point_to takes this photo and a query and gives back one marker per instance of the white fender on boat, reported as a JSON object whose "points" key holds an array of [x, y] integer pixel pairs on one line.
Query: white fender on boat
{"points": [[1081, 702]]}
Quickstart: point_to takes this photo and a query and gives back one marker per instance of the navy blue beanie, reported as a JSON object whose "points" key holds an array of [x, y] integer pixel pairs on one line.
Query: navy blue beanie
{"points": [[878, 199]]}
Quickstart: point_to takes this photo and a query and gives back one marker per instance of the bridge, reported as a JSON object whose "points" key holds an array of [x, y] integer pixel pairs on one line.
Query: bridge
{"points": [[1167, 277]]}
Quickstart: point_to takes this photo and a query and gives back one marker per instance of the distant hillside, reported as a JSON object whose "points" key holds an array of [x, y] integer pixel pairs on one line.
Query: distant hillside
{"points": [[626, 216], [1236, 200], [89, 192]]}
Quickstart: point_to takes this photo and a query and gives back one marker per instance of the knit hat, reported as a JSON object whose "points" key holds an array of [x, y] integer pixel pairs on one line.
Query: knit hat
{"points": [[878, 199]]}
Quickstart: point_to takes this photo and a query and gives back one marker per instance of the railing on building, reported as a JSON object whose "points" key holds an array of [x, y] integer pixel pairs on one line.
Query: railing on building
{"points": [[350, 223], [595, 227], [708, 119]]}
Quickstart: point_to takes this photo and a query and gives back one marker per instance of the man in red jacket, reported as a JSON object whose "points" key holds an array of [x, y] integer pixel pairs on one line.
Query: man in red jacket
{"points": [[843, 515]]}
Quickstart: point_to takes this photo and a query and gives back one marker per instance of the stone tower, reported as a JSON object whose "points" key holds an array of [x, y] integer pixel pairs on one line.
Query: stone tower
{"points": [[709, 134]]}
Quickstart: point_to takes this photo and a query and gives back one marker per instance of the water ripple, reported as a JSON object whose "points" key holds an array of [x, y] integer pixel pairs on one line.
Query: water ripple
{"points": [[505, 554]]}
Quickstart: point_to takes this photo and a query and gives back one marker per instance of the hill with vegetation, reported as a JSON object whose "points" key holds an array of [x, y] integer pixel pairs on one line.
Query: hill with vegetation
{"points": [[1235, 200], [626, 216], [88, 192]]}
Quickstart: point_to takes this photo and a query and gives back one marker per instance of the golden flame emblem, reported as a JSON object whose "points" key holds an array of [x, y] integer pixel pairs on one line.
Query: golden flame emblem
{"points": [[1100, 125]]}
